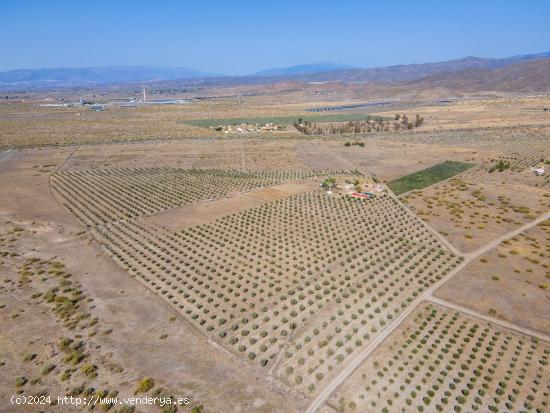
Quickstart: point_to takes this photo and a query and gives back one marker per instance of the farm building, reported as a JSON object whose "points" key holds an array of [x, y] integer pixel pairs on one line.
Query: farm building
{"points": [[538, 171]]}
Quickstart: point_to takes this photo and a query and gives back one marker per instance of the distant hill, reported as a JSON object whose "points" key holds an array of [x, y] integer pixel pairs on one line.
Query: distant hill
{"points": [[94, 76], [302, 69], [391, 75], [525, 76], [476, 67], [402, 73]]}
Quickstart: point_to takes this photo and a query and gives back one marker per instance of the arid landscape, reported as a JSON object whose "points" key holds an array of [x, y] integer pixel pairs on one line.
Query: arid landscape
{"points": [[203, 249], [309, 239]]}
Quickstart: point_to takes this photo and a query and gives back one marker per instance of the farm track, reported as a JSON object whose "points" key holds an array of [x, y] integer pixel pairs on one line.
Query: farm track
{"points": [[242, 158], [323, 396], [67, 159]]}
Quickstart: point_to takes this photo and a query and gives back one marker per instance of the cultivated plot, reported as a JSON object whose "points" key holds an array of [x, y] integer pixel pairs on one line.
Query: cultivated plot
{"points": [[441, 361], [429, 176], [99, 196], [296, 286]]}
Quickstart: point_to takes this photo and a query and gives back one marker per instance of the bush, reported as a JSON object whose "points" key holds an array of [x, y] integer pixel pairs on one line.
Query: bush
{"points": [[20, 381], [74, 357], [144, 385], [48, 368], [89, 370]]}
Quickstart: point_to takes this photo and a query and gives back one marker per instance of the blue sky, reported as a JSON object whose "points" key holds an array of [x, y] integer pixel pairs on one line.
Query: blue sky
{"points": [[239, 37]]}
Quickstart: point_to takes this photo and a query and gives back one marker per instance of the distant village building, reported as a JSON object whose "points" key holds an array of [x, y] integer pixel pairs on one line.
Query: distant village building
{"points": [[248, 128]]}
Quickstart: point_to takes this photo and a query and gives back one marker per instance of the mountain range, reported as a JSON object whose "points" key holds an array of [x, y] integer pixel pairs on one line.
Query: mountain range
{"points": [[302, 69], [400, 73], [526, 76], [94, 76], [525, 72]]}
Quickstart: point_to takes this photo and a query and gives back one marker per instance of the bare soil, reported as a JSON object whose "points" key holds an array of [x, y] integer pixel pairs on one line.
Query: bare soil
{"points": [[202, 213]]}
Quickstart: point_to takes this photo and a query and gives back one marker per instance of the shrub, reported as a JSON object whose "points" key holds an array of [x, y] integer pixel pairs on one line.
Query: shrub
{"points": [[48, 368], [20, 381], [144, 385], [89, 370]]}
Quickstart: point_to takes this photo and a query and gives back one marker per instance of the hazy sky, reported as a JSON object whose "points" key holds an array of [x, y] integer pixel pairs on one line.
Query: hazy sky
{"points": [[238, 37]]}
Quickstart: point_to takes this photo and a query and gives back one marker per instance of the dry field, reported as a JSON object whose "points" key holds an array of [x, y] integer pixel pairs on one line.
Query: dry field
{"points": [[24, 123], [522, 144], [386, 159], [483, 203], [61, 126], [242, 154], [489, 113]]}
